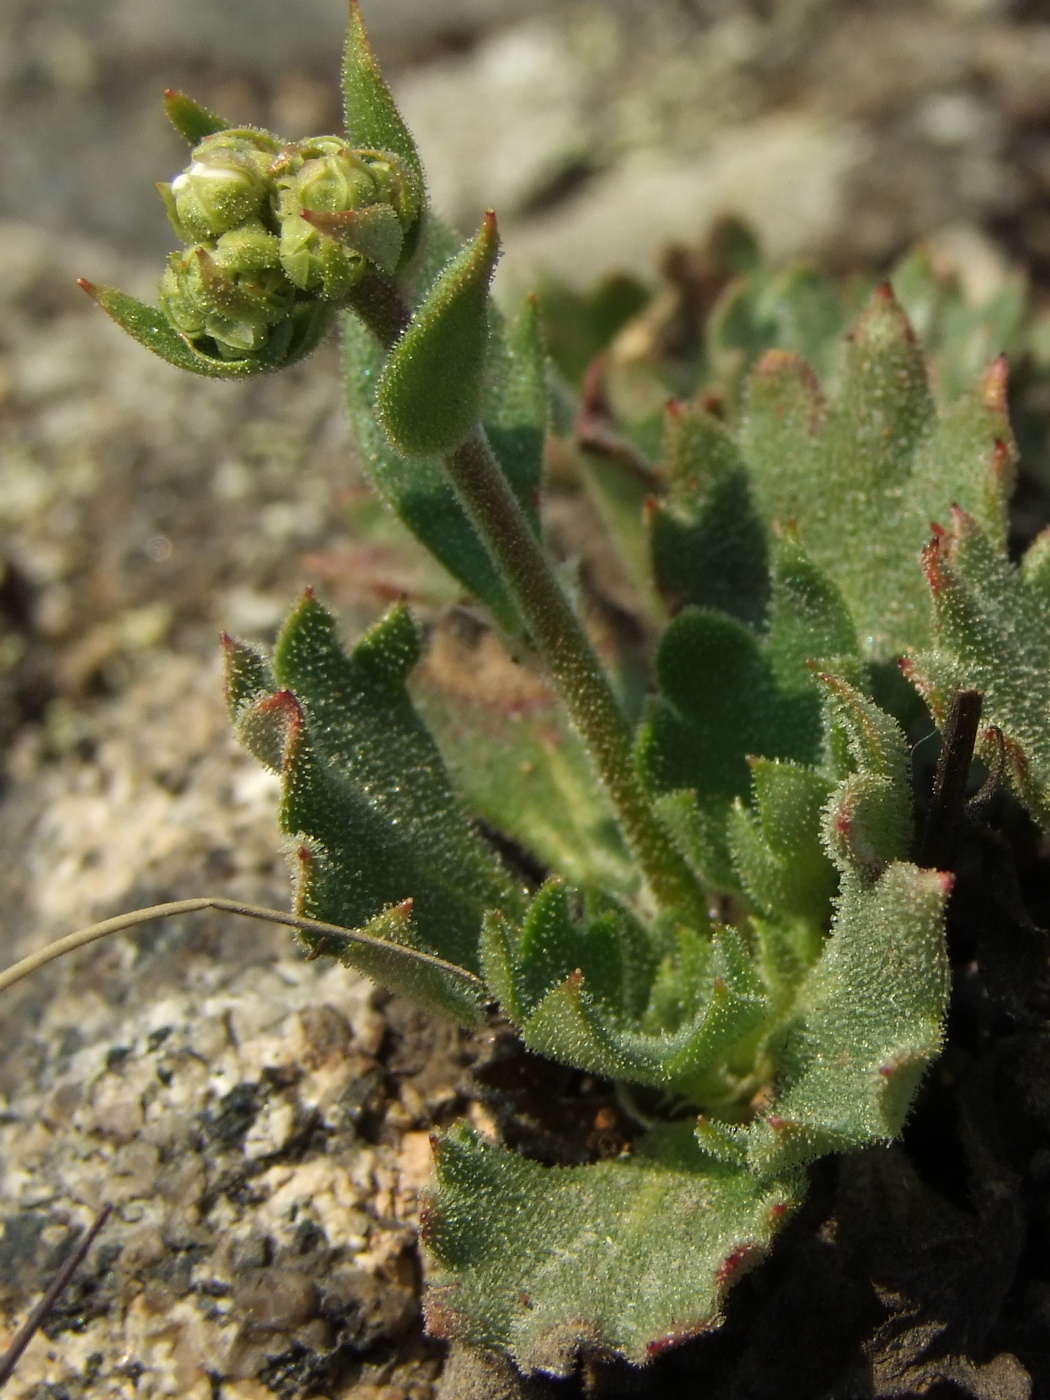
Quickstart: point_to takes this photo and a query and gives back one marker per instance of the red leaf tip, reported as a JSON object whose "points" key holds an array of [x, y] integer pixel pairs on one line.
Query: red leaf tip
{"points": [[946, 880], [932, 563], [741, 1258], [994, 384], [1000, 458]]}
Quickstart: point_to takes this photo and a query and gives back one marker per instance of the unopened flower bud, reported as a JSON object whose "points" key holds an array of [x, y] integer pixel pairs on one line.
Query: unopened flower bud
{"points": [[226, 183], [323, 184], [233, 291]]}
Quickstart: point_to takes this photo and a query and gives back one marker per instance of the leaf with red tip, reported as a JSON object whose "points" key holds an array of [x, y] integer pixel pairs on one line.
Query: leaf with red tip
{"points": [[863, 475], [629, 1257], [578, 984], [366, 798], [992, 634], [375, 232], [877, 998], [248, 675], [430, 395]]}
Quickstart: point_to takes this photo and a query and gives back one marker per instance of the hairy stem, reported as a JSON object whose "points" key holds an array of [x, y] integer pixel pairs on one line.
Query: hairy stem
{"points": [[554, 628], [560, 639]]}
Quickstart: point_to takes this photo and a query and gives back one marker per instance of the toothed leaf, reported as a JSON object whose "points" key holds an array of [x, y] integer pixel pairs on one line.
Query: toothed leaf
{"points": [[861, 475], [776, 846], [248, 676], [726, 696], [868, 1024], [576, 984], [992, 634], [393, 960], [708, 544], [868, 821], [366, 799], [630, 1257]]}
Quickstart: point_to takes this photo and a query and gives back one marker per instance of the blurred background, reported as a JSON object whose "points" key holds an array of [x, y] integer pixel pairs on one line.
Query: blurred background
{"points": [[597, 127]]}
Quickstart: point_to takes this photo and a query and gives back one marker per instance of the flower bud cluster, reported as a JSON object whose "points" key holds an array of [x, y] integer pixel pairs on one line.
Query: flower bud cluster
{"points": [[271, 230]]}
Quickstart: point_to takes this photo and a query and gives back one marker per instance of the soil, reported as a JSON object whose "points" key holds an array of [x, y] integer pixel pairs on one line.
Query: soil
{"points": [[259, 1123]]}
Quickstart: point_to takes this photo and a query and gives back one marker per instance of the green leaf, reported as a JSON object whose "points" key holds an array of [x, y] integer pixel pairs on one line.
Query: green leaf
{"points": [[992, 634], [601, 941], [393, 961], [365, 796], [373, 121], [515, 405], [248, 678], [518, 764], [868, 821], [190, 119], [289, 341], [514, 411], [869, 1022], [375, 232], [708, 543], [576, 981], [630, 1257], [861, 476], [960, 336], [726, 697], [776, 847], [416, 488], [796, 310], [430, 394]]}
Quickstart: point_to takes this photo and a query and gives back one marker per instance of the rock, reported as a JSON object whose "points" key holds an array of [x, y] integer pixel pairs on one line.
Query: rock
{"points": [[499, 127], [785, 175]]}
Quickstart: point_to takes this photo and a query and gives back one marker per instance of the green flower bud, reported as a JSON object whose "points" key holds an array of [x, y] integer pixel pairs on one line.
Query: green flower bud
{"points": [[226, 183], [339, 210], [233, 291]]}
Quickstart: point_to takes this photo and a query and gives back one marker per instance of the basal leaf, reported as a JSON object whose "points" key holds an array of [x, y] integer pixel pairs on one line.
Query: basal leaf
{"points": [[366, 799], [775, 843], [869, 1022], [631, 1257], [727, 696], [992, 634], [708, 543], [576, 981], [861, 474], [517, 763]]}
